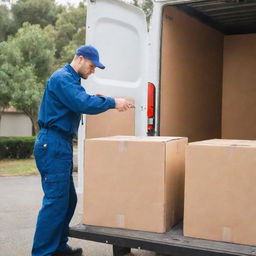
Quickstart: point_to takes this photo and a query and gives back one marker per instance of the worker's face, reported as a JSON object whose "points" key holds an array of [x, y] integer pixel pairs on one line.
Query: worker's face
{"points": [[86, 67]]}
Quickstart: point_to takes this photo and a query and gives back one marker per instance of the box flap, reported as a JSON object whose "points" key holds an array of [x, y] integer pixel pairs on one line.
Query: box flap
{"points": [[138, 138]]}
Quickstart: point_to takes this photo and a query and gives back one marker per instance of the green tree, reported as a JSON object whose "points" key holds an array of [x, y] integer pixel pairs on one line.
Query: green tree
{"points": [[26, 61], [7, 23], [5, 92], [29, 55], [136, 3], [9, 55], [37, 48], [27, 94], [43, 12], [70, 29], [147, 7], [68, 51]]}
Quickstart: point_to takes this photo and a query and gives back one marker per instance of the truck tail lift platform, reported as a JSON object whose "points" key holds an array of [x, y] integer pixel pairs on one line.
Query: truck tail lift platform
{"points": [[169, 243]]}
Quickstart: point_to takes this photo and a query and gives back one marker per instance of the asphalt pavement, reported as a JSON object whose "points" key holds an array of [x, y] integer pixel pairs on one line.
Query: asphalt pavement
{"points": [[20, 200]]}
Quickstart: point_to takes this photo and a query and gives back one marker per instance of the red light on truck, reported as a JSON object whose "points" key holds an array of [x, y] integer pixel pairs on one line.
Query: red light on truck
{"points": [[151, 106]]}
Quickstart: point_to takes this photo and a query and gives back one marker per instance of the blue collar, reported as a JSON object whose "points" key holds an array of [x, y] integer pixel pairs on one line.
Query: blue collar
{"points": [[73, 72]]}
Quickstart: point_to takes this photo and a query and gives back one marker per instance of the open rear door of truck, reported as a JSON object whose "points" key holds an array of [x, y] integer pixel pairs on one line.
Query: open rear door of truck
{"points": [[119, 32]]}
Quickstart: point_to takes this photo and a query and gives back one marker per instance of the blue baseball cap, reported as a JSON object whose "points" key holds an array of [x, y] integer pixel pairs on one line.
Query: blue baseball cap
{"points": [[91, 53]]}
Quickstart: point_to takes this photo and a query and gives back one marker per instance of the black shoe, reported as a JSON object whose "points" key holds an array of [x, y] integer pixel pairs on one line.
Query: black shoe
{"points": [[69, 252]]}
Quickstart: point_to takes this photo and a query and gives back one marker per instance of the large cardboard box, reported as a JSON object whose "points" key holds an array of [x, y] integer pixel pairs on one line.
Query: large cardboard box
{"points": [[220, 191], [134, 182]]}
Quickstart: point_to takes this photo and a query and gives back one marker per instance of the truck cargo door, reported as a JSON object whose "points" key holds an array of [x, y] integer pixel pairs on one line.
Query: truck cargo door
{"points": [[119, 32]]}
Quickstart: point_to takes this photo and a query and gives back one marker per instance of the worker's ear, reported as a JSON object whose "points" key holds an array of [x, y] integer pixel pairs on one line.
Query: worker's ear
{"points": [[81, 59]]}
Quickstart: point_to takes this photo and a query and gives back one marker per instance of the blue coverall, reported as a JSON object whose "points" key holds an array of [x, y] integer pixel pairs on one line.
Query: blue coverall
{"points": [[63, 102]]}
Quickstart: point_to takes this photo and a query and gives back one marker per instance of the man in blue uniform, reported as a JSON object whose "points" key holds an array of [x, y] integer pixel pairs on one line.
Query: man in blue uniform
{"points": [[63, 103]]}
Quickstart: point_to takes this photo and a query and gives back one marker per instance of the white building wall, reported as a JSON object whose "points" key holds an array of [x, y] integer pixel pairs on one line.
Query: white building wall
{"points": [[15, 124]]}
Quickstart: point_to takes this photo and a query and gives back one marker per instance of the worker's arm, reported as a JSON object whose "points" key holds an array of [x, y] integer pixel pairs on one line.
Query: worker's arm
{"points": [[74, 96]]}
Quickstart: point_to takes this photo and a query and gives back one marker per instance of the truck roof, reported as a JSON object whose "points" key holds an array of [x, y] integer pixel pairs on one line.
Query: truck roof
{"points": [[227, 16]]}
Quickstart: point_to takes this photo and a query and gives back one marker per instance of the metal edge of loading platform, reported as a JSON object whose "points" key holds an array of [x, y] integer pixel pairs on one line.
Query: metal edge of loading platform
{"points": [[178, 245]]}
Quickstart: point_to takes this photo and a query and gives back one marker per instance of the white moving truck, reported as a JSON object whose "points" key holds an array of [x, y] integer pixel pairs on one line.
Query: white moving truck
{"points": [[190, 71]]}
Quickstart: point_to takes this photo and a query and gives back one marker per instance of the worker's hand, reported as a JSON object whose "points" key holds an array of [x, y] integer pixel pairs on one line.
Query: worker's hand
{"points": [[123, 104]]}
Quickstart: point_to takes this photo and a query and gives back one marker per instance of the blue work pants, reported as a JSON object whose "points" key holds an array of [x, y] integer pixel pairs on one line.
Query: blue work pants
{"points": [[54, 159]]}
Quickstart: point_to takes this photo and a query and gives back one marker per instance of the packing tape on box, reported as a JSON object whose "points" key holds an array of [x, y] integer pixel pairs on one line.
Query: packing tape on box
{"points": [[122, 146], [226, 234], [120, 220], [229, 151]]}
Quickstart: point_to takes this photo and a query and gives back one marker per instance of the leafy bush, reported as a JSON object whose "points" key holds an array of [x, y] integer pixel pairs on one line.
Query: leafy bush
{"points": [[16, 147]]}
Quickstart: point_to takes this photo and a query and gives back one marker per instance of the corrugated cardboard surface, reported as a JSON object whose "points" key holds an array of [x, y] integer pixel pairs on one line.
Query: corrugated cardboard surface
{"points": [[110, 123], [239, 87], [191, 77], [220, 191], [132, 183]]}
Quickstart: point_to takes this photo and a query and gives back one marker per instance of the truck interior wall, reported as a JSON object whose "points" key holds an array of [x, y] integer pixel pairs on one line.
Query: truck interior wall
{"points": [[191, 77], [239, 87]]}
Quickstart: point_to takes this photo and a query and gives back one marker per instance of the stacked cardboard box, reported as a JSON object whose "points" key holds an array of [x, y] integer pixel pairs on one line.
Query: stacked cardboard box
{"points": [[111, 123], [220, 191], [134, 182]]}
